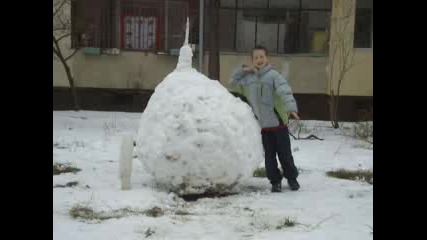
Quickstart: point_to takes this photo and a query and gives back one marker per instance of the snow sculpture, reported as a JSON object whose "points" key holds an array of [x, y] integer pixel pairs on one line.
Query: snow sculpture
{"points": [[194, 136]]}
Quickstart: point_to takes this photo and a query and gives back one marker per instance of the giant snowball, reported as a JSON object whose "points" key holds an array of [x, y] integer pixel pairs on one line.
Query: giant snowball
{"points": [[194, 136]]}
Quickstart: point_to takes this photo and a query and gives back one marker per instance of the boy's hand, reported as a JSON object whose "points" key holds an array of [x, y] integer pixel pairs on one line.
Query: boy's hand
{"points": [[295, 115], [247, 68]]}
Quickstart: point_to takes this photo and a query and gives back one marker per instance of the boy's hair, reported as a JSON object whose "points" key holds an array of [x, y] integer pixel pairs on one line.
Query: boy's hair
{"points": [[259, 47]]}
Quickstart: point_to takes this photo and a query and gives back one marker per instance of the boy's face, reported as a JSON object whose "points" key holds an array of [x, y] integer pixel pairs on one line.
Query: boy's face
{"points": [[259, 58]]}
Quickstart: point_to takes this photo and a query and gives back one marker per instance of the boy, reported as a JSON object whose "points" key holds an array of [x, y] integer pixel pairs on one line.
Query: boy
{"points": [[266, 92]]}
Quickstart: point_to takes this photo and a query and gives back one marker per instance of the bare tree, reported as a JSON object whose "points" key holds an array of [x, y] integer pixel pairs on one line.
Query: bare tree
{"points": [[341, 53], [61, 33]]}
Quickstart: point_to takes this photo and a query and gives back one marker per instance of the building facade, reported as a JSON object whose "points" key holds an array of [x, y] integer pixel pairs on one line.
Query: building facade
{"points": [[128, 46]]}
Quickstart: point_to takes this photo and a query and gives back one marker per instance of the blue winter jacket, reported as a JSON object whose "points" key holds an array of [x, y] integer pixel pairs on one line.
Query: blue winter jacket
{"points": [[268, 93]]}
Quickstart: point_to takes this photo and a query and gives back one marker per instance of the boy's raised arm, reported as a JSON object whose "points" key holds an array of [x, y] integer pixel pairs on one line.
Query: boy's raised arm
{"points": [[237, 76]]}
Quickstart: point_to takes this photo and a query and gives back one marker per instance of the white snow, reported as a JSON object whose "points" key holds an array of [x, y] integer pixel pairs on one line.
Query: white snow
{"points": [[185, 54], [125, 162], [194, 132], [326, 208], [195, 136]]}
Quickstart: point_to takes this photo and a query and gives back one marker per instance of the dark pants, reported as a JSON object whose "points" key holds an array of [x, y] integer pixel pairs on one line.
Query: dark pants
{"points": [[278, 142]]}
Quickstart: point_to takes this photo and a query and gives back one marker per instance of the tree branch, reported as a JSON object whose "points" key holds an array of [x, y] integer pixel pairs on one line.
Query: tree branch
{"points": [[63, 36], [61, 25], [59, 8], [332, 67], [341, 57], [351, 64], [349, 14], [366, 140], [56, 52], [72, 54], [61, 28]]}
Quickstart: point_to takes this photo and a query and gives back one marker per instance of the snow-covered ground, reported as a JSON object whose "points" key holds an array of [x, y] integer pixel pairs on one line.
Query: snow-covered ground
{"points": [[324, 207]]}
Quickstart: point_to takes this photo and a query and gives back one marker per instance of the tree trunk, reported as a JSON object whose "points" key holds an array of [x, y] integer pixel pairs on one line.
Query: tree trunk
{"points": [[57, 51], [336, 120], [333, 110], [63, 29], [70, 78], [213, 64], [72, 88]]}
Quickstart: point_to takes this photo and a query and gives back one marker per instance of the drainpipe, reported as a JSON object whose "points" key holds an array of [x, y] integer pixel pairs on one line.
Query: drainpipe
{"points": [[201, 13]]}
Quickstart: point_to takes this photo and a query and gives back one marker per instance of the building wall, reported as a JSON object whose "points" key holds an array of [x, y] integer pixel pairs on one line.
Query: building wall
{"points": [[104, 79], [128, 70], [59, 76], [358, 80], [136, 70]]}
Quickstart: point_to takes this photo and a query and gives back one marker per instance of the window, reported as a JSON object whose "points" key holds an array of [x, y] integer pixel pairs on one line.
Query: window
{"points": [[315, 34], [267, 32], [245, 39], [363, 27], [108, 24], [139, 33], [93, 23], [228, 3], [177, 17], [86, 23], [76, 26], [140, 25], [282, 26], [252, 3], [227, 26]]}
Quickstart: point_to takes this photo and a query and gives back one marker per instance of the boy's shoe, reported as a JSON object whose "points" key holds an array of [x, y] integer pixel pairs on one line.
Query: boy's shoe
{"points": [[293, 184], [277, 187]]}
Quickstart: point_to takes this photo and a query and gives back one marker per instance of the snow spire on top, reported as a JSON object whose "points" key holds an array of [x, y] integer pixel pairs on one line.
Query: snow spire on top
{"points": [[185, 53], [187, 30]]}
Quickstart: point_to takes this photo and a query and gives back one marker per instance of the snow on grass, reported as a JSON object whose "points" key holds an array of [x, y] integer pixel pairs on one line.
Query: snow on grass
{"points": [[324, 207]]}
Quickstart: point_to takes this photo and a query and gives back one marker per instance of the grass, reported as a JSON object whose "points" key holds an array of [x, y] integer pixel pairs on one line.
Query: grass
{"points": [[355, 175], [59, 168], [71, 145], [248, 209], [59, 146], [182, 212], [195, 197], [87, 213], [287, 223], [371, 229], [154, 212], [260, 172], [364, 131], [68, 184], [83, 212], [149, 232]]}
